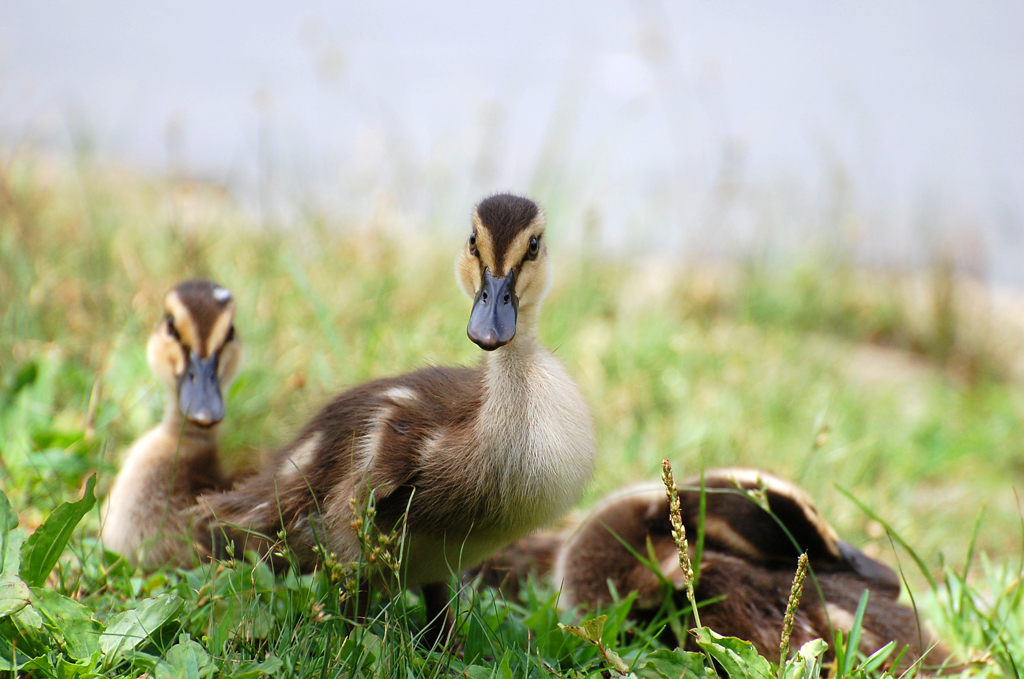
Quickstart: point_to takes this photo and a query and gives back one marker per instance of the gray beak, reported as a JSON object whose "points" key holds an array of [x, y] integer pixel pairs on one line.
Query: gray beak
{"points": [[492, 323], [199, 391]]}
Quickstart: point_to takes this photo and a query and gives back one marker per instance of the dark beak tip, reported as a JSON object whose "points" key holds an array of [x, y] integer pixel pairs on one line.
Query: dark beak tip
{"points": [[488, 342]]}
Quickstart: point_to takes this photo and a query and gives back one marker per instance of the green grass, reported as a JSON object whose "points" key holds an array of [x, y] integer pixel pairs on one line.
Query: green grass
{"points": [[820, 373]]}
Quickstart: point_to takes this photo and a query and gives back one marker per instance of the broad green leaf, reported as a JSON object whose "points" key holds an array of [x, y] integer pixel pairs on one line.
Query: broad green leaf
{"points": [[478, 672], [674, 664], [813, 651], [185, 660], [358, 652], [13, 594], [372, 645], [595, 627], [86, 668], [28, 619], [11, 658], [806, 664], [8, 522], [12, 560], [41, 663], [268, 668], [613, 660], [590, 631], [42, 549], [129, 629], [25, 630], [68, 620], [738, 658]]}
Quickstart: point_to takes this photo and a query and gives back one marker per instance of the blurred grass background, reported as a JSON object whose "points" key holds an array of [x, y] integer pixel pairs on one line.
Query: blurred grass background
{"points": [[903, 388]]}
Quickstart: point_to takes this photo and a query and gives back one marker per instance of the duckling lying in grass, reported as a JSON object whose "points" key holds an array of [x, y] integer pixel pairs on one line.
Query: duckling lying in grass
{"points": [[463, 460], [195, 352], [746, 570]]}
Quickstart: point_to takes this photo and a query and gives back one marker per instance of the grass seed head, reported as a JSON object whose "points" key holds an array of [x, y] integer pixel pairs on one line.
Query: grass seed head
{"points": [[675, 516], [679, 535], [794, 600]]}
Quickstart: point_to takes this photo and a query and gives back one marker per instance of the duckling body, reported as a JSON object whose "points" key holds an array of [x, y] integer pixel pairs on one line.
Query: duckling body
{"points": [[145, 516], [746, 569], [465, 481], [463, 460], [194, 351]]}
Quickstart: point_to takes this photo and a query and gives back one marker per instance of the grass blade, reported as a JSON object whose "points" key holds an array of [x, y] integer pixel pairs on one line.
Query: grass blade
{"points": [[896, 536], [853, 641]]}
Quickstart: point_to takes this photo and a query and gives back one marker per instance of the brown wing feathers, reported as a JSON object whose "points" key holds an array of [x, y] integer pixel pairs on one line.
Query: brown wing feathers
{"points": [[398, 416]]}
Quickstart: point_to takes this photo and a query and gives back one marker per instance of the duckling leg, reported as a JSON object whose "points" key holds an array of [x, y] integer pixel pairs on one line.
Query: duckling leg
{"points": [[440, 619]]}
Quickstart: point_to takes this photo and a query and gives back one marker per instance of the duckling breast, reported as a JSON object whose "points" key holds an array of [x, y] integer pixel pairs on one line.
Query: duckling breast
{"points": [[538, 444]]}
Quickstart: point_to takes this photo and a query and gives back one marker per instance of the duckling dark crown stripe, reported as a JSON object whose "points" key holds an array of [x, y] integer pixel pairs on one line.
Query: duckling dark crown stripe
{"points": [[505, 216], [203, 305]]}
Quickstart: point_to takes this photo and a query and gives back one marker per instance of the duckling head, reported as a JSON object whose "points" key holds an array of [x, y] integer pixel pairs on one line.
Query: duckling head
{"points": [[504, 268], [194, 349]]}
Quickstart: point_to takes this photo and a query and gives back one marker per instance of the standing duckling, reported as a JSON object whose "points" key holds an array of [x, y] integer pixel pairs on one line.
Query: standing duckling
{"points": [[464, 460], [195, 353]]}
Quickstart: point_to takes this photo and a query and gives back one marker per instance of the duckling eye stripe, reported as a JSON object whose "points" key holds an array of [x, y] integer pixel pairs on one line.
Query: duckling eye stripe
{"points": [[484, 244], [219, 331], [182, 320], [518, 250]]}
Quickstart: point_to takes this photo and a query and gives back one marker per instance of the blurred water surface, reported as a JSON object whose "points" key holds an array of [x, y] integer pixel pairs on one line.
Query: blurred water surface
{"points": [[892, 130]]}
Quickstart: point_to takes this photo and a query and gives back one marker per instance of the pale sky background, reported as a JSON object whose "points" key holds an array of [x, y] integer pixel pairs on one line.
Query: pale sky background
{"points": [[895, 128]]}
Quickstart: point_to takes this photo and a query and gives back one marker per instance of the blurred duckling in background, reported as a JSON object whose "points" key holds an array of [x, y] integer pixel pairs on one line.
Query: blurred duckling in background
{"points": [[463, 460], [195, 351], [746, 569]]}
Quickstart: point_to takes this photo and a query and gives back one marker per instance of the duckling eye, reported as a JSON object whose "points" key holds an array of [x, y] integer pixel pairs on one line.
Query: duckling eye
{"points": [[171, 330], [534, 247], [472, 245], [231, 334]]}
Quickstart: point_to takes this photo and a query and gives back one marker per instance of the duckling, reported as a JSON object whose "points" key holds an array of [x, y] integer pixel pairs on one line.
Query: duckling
{"points": [[748, 561], [195, 352], [463, 460]]}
